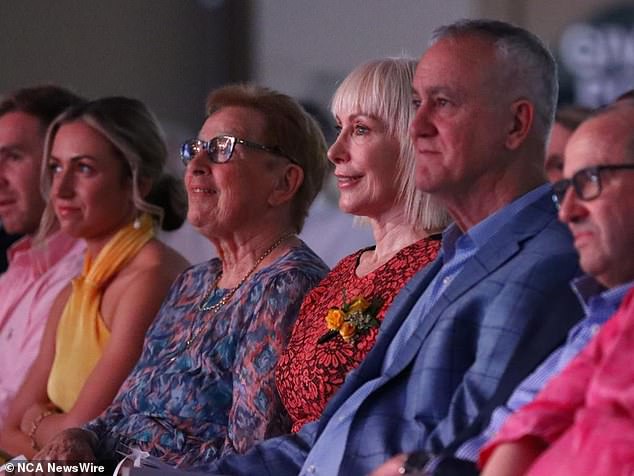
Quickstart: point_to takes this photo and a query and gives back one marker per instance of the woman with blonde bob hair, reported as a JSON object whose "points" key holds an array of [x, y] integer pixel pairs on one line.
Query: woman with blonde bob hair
{"points": [[103, 176], [374, 162]]}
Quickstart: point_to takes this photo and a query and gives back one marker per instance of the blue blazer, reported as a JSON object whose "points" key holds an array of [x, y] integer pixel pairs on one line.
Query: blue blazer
{"points": [[508, 308]]}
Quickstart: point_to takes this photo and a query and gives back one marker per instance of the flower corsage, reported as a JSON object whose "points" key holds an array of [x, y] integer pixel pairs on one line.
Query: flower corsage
{"points": [[352, 319]]}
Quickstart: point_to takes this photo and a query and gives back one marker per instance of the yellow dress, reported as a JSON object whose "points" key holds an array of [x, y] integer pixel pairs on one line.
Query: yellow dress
{"points": [[82, 334]]}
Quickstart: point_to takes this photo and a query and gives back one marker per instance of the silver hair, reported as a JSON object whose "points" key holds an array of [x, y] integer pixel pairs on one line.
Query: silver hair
{"points": [[383, 89], [530, 69]]}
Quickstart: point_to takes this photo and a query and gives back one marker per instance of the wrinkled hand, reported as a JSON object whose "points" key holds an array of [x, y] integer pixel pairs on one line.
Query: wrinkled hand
{"points": [[391, 466], [71, 445]]}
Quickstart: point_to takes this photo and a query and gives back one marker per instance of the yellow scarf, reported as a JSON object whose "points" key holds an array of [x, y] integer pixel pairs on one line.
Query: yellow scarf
{"points": [[81, 333]]}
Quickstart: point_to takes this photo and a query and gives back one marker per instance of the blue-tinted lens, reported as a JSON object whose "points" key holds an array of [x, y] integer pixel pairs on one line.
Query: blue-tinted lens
{"points": [[587, 183], [190, 148], [221, 148], [559, 191]]}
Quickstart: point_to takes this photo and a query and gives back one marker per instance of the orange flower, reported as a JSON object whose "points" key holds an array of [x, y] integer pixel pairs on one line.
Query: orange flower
{"points": [[354, 318], [359, 304], [347, 331], [334, 319]]}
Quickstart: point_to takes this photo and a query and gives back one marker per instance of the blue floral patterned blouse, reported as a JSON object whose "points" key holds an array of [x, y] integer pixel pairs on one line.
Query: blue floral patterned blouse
{"points": [[191, 404]]}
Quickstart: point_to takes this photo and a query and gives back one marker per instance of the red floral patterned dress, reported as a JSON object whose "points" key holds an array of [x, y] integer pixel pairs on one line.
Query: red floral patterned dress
{"points": [[309, 373]]}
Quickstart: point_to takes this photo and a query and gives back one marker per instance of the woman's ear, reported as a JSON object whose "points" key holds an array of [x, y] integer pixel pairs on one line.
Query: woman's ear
{"points": [[287, 185], [523, 112], [145, 186]]}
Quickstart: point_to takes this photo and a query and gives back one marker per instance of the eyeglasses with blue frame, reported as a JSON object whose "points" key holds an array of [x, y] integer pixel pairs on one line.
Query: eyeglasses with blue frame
{"points": [[586, 183], [220, 149]]}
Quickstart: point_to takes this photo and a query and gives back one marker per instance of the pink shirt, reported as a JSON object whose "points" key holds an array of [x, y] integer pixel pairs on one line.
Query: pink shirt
{"points": [[586, 414], [36, 275]]}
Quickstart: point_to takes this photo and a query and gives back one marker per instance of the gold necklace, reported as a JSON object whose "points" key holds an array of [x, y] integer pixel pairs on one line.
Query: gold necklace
{"points": [[225, 299]]}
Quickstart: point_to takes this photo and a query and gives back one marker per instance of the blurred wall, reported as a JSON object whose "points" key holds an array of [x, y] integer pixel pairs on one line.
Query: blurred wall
{"points": [[170, 53], [592, 40], [305, 47], [560, 14]]}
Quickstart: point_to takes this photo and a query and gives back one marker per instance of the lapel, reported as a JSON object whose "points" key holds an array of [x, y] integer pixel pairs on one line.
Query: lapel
{"points": [[501, 248], [401, 307]]}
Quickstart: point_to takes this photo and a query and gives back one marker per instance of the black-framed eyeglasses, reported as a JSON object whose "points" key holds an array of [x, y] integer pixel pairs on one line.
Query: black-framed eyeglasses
{"points": [[586, 183], [220, 149]]}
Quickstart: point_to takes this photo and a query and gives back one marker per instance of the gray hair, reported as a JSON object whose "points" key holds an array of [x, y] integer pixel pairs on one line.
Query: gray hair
{"points": [[383, 89], [530, 69]]}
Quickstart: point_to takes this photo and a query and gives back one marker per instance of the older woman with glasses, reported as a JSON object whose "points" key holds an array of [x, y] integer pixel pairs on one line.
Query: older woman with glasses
{"points": [[204, 385]]}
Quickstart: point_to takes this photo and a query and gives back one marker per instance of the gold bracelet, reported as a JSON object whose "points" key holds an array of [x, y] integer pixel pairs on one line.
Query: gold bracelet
{"points": [[34, 426]]}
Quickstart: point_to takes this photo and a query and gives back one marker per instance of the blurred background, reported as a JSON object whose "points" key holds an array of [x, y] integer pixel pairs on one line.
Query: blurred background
{"points": [[171, 53]]}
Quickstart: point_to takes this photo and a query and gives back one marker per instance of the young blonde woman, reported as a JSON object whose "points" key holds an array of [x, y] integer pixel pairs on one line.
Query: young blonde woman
{"points": [[104, 170]]}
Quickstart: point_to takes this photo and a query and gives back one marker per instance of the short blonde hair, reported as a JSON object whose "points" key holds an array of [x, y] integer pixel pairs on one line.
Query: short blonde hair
{"points": [[288, 127], [382, 89]]}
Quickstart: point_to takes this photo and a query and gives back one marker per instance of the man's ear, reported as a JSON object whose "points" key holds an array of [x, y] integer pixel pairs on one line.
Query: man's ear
{"points": [[287, 185], [523, 115]]}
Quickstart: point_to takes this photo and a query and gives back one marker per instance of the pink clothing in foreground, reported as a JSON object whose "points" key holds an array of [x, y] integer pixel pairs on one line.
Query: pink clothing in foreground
{"points": [[36, 275], [586, 414]]}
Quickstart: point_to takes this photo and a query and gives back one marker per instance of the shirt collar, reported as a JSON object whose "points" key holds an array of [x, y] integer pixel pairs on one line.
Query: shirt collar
{"points": [[41, 255], [20, 245], [616, 294], [483, 231], [478, 235], [592, 294]]}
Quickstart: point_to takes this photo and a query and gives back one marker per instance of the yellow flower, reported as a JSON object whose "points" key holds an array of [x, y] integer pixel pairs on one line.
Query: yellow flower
{"points": [[347, 331], [335, 318], [359, 304]]}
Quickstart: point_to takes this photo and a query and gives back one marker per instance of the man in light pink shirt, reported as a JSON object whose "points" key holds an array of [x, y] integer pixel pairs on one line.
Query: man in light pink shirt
{"points": [[37, 271]]}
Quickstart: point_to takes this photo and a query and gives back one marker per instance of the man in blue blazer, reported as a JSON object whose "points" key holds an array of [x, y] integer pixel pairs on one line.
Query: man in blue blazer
{"points": [[468, 328]]}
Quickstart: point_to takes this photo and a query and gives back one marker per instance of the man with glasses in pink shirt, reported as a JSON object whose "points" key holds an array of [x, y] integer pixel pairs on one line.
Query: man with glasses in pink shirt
{"points": [[38, 269], [581, 422]]}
